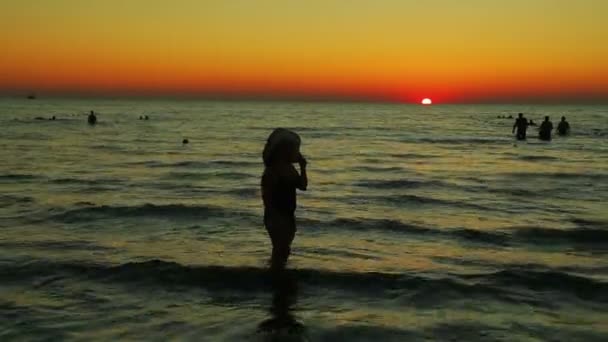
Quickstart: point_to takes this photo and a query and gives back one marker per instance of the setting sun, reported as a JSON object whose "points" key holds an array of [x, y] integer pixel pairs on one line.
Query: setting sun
{"points": [[427, 101]]}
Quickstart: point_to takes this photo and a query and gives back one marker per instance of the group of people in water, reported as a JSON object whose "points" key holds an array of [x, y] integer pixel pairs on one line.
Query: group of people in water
{"points": [[521, 126], [92, 119], [544, 131]]}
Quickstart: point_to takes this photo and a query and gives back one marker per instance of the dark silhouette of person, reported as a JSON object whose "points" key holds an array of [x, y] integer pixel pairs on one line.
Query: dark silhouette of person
{"points": [[141, 117], [185, 141], [146, 117], [92, 119], [531, 123], [544, 131], [521, 123], [279, 183], [511, 116], [563, 128]]}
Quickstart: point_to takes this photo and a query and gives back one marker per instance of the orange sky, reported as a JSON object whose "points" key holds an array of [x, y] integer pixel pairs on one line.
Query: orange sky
{"points": [[395, 50]]}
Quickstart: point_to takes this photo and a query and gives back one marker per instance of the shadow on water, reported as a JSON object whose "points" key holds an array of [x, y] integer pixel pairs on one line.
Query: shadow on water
{"points": [[282, 322]]}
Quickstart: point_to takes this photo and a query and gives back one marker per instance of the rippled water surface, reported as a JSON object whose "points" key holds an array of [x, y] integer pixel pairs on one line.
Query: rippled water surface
{"points": [[419, 223]]}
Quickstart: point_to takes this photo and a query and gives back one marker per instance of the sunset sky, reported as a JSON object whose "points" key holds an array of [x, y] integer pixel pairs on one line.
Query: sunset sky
{"points": [[382, 50]]}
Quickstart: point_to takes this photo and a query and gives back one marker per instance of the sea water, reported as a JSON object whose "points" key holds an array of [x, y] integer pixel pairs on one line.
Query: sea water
{"points": [[420, 222]]}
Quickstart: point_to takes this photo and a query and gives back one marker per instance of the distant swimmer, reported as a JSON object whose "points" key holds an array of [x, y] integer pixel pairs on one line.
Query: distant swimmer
{"points": [[544, 132], [185, 141], [141, 117], [511, 116], [531, 123], [92, 118], [521, 124], [563, 128], [146, 117], [53, 118]]}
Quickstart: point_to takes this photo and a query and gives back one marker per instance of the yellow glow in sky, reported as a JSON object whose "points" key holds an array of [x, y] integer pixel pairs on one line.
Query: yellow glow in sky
{"points": [[384, 49]]}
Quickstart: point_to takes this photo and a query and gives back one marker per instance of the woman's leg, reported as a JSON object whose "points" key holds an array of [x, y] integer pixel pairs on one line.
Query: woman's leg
{"points": [[281, 229]]}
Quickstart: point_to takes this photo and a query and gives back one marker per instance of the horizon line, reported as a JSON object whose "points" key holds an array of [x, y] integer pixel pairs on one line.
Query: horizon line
{"points": [[302, 98]]}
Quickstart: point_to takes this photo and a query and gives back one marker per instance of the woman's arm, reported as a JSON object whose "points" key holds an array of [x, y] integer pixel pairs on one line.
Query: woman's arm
{"points": [[303, 181]]}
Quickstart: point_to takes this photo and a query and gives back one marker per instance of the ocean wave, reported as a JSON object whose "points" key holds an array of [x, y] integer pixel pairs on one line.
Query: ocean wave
{"points": [[175, 211], [536, 158], [187, 164], [587, 236], [416, 289], [184, 175], [367, 332], [196, 163], [148, 163], [364, 224], [235, 162], [412, 156], [415, 184], [594, 239], [233, 175], [466, 234], [464, 140], [10, 200], [484, 263], [457, 330], [89, 182], [404, 199], [512, 191], [560, 175], [113, 148], [17, 177], [371, 169], [399, 183], [56, 245], [204, 164], [587, 223], [342, 253], [245, 192], [583, 287]]}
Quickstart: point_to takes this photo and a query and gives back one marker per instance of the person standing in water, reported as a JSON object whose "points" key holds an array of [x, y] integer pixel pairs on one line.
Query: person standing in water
{"points": [[279, 183], [92, 118], [563, 128], [544, 131], [521, 124]]}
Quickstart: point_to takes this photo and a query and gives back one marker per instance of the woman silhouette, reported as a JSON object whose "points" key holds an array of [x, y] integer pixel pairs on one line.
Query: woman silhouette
{"points": [[279, 183]]}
